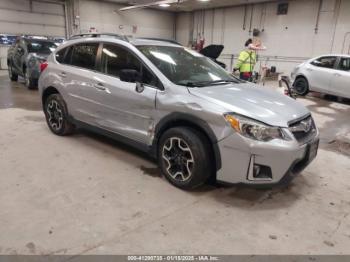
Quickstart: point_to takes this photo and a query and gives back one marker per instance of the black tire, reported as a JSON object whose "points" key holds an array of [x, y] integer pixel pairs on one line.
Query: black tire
{"points": [[301, 86], [56, 114], [13, 76], [191, 173], [31, 83]]}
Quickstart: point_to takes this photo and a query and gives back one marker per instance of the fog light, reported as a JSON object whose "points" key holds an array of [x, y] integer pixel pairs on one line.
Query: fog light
{"points": [[258, 172], [262, 172]]}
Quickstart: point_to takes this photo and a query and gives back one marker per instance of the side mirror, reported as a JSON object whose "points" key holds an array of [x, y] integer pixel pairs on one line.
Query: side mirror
{"points": [[130, 75]]}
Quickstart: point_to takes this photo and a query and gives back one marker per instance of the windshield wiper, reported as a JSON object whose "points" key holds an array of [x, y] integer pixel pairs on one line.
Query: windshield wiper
{"points": [[214, 82]]}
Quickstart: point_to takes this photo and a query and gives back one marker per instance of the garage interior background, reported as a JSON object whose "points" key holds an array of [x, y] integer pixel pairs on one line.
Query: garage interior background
{"points": [[309, 28]]}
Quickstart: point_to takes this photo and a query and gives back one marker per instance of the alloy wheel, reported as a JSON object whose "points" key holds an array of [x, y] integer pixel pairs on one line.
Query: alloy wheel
{"points": [[55, 115], [300, 87], [178, 159]]}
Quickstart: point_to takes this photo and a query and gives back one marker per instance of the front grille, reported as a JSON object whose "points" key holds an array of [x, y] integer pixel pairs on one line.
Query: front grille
{"points": [[303, 130]]}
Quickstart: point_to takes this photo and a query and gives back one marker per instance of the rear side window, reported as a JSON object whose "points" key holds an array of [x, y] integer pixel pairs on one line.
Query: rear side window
{"points": [[82, 55], [344, 64], [326, 62], [60, 55]]}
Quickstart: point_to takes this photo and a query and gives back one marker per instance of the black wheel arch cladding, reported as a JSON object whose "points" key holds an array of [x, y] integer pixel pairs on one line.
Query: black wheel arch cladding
{"points": [[47, 92], [181, 119]]}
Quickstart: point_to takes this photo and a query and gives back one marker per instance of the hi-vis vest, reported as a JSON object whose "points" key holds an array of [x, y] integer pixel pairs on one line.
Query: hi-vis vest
{"points": [[246, 61]]}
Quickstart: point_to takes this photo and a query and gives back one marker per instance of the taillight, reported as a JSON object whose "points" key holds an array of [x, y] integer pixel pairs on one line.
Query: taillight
{"points": [[43, 66]]}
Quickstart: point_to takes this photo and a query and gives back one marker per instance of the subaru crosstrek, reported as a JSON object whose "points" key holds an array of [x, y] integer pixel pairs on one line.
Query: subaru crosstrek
{"points": [[182, 108]]}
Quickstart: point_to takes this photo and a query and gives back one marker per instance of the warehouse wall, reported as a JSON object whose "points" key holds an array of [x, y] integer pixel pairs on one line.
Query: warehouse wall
{"points": [[32, 17], [289, 38], [37, 17], [45, 18], [105, 17]]}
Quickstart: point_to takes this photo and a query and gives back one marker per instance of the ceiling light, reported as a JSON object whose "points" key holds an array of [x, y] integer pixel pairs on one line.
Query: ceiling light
{"points": [[164, 5], [203, 0]]}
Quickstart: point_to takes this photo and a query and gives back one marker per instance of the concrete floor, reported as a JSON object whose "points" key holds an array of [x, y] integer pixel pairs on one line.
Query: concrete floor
{"points": [[85, 194]]}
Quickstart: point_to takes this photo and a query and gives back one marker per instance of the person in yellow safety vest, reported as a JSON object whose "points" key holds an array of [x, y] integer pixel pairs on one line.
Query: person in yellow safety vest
{"points": [[246, 62]]}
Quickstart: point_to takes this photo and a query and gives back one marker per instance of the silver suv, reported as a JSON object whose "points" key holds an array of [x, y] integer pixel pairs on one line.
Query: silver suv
{"points": [[195, 118]]}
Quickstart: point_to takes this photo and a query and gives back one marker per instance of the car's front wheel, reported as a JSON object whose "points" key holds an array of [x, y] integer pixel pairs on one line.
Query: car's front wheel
{"points": [[185, 158], [13, 76], [301, 86], [57, 115]]}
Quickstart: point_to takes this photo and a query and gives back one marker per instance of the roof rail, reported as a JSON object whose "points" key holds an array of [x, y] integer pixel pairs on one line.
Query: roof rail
{"points": [[159, 39], [121, 37]]}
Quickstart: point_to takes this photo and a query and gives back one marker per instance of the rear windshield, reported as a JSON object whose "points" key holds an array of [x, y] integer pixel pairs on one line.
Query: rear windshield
{"points": [[37, 46]]}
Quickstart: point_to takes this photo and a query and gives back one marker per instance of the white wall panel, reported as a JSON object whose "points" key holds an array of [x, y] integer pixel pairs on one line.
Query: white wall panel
{"points": [[31, 18], [182, 27], [105, 17], [3, 56], [15, 4], [290, 37], [341, 40], [50, 8], [20, 17]]}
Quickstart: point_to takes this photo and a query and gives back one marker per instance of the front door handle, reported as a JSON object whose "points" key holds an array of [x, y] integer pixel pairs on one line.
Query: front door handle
{"points": [[337, 74], [100, 86]]}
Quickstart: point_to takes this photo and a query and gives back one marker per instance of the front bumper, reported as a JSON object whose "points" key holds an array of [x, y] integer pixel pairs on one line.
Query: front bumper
{"points": [[285, 159]]}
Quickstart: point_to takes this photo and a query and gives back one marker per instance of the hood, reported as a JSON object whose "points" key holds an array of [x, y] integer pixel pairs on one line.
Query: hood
{"points": [[254, 101], [212, 51]]}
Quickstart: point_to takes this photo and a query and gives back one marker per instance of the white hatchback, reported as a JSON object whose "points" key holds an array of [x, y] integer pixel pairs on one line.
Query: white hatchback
{"points": [[329, 74]]}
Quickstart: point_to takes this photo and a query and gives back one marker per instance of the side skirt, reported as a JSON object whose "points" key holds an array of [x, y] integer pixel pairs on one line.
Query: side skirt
{"points": [[125, 140]]}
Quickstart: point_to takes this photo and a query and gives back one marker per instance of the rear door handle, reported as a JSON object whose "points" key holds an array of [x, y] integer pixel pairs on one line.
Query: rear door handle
{"points": [[100, 86], [337, 74]]}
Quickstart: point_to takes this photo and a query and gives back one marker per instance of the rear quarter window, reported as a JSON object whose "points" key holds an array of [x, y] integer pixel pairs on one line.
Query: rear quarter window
{"points": [[344, 64], [60, 55]]}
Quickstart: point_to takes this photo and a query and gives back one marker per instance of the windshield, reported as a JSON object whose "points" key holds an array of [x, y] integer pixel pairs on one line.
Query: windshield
{"points": [[41, 47], [186, 67]]}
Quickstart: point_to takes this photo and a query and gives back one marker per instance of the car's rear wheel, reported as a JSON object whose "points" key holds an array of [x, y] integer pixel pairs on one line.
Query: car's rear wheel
{"points": [[301, 86], [185, 158], [57, 115], [30, 82], [13, 76]]}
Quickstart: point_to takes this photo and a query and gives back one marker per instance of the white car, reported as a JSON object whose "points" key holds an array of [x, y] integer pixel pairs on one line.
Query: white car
{"points": [[329, 74]]}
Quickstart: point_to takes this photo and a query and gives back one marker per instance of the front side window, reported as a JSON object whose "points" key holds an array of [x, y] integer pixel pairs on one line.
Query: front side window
{"points": [[115, 58], [83, 55], [326, 62], [344, 64], [186, 67]]}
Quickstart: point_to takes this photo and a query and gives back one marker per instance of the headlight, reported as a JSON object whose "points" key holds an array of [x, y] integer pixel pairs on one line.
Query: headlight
{"points": [[254, 129]]}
